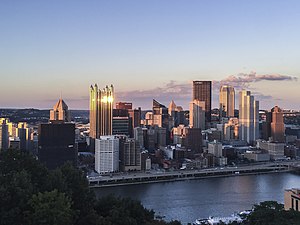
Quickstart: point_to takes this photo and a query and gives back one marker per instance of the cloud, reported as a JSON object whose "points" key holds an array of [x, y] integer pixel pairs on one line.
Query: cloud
{"points": [[244, 80], [180, 92]]}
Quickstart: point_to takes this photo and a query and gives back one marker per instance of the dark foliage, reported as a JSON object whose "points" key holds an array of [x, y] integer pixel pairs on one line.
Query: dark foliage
{"points": [[30, 194]]}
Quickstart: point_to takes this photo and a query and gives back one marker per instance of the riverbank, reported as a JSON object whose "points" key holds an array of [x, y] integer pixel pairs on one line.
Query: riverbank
{"points": [[183, 175]]}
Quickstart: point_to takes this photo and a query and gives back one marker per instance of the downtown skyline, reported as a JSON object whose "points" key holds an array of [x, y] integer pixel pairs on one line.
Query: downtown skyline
{"points": [[148, 50]]}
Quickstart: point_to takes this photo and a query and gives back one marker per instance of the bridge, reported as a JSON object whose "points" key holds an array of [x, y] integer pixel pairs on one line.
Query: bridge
{"points": [[156, 176]]}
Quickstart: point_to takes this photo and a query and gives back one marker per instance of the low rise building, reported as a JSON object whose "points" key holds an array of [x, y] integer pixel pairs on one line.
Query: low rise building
{"points": [[292, 199], [257, 156]]}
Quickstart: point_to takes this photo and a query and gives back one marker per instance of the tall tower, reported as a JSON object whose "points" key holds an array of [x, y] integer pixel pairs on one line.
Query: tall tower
{"points": [[248, 117], [227, 101], [60, 112], [197, 114], [101, 111], [202, 92], [277, 124]]}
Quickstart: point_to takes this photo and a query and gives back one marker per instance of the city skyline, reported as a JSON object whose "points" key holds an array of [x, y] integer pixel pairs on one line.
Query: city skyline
{"points": [[148, 50]]}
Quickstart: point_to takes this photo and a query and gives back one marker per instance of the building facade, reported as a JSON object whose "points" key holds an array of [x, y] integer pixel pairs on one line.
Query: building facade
{"points": [[202, 92], [130, 155], [227, 101], [107, 154], [197, 114], [248, 117], [101, 111], [292, 199], [277, 125], [60, 112], [56, 144]]}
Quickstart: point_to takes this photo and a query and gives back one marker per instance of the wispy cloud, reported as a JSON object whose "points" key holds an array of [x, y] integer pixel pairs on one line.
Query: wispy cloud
{"points": [[244, 80], [164, 93]]}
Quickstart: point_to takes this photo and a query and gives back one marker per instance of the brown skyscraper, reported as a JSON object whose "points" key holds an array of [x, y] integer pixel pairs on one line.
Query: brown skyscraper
{"points": [[202, 92], [277, 124]]}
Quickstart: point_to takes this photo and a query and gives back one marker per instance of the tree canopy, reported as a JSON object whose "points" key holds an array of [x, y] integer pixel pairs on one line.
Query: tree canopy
{"points": [[31, 194]]}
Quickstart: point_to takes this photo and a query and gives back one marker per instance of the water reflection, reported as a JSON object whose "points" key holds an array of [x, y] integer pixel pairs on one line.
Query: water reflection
{"points": [[188, 200]]}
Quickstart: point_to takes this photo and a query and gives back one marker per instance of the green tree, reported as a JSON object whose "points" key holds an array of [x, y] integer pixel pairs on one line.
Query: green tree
{"points": [[73, 183], [272, 213], [49, 208]]}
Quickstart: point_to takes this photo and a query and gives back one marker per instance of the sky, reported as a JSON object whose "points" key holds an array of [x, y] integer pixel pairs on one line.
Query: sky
{"points": [[148, 49]]}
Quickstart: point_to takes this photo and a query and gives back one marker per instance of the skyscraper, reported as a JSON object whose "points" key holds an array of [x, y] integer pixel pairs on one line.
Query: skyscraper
{"points": [[227, 101], [60, 112], [202, 92], [197, 114], [56, 139], [101, 111], [277, 125], [248, 117]]}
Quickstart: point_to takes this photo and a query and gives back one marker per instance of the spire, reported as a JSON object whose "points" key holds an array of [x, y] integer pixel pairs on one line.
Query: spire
{"points": [[172, 106]]}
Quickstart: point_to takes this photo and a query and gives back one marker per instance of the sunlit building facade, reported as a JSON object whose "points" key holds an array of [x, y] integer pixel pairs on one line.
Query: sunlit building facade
{"points": [[60, 112], [277, 125], [248, 117], [197, 114], [101, 111], [227, 101]]}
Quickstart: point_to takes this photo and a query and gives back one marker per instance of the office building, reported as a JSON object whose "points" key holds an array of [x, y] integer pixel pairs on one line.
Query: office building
{"points": [[231, 129], [275, 149], [202, 92], [193, 140], [107, 154], [101, 111], [60, 112], [248, 117], [56, 140], [277, 125], [4, 134], [130, 155], [197, 114], [215, 148], [292, 199], [138, 136], [160, 115], [227, 101], [56, 144], [266, 126], [176, 114], [135, 115], [124, 105], [122, 126], [24, 135]]}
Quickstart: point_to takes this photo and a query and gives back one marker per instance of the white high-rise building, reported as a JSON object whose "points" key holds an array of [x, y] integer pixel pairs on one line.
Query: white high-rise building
{"points": [[227, 101], [248, 117], [107, 154], [197, 114]]}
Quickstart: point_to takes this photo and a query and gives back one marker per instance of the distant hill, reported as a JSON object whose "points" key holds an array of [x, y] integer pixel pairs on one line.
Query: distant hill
{"points": [[35, 116]]}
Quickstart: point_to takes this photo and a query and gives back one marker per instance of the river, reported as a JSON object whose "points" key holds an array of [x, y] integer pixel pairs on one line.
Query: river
{"points": [[192, 199]]}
